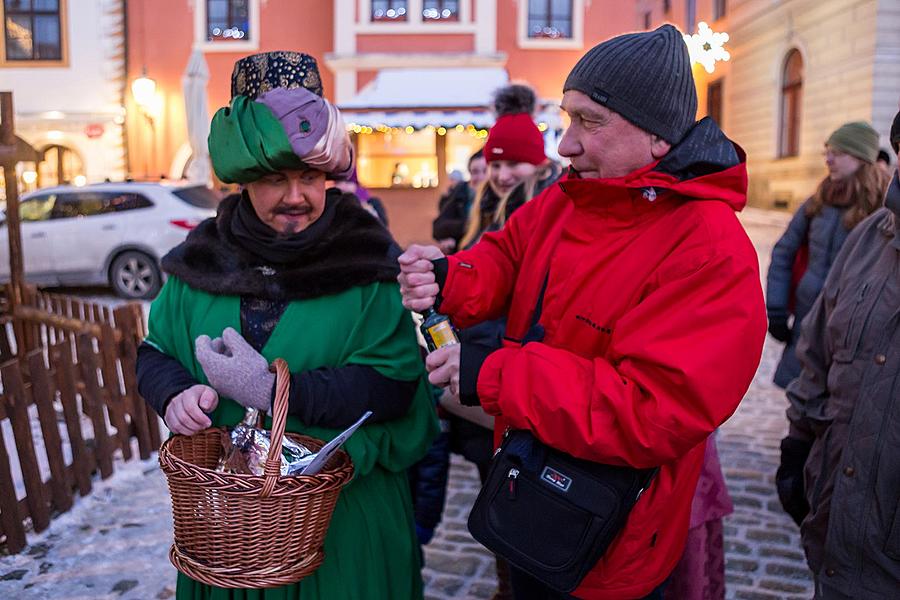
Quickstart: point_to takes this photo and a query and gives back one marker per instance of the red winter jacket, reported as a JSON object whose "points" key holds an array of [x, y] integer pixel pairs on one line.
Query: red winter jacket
{"points": [[654, 319]]}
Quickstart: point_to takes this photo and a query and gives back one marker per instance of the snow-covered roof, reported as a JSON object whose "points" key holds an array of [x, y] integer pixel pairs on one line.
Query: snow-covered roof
{"points": [[419, 119], [440, 97], [430, 88]]}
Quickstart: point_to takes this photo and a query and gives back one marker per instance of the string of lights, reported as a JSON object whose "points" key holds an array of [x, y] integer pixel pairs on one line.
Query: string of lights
{"points": [[439, 129]]}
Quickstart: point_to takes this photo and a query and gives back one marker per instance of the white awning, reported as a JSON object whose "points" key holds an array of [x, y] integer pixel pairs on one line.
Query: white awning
{"points": [[439, 97], [419, 119], [470, 87]]}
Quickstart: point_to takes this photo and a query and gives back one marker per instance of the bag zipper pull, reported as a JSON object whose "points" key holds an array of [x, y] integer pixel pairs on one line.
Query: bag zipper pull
{"points": [[511, 478]]}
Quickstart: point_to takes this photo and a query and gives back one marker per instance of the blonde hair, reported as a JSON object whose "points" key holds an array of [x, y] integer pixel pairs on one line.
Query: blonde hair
{"points": [[862, 194], [474, 229]]}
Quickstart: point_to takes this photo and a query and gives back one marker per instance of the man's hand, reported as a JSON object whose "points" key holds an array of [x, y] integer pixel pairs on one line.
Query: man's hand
{"points": [[447, 245], [443, 367], [184, 414], [417, 283]]}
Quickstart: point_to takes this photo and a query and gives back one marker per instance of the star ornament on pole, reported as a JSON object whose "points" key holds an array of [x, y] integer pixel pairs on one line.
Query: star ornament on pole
{"points": [[707, 47]]}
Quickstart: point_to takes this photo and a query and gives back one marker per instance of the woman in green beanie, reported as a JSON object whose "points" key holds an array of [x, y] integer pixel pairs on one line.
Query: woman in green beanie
{"points": [[289, 270], [852, 190]]}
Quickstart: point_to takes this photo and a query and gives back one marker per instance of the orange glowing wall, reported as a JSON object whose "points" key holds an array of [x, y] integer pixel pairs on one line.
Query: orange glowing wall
{"points": [[546, 69], [160, 37]]}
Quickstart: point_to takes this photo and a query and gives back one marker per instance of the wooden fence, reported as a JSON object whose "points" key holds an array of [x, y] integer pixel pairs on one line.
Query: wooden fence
{"points": [[68, 362]]}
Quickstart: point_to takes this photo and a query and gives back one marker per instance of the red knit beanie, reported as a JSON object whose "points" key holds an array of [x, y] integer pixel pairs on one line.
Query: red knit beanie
{"points": [[515, 138]]}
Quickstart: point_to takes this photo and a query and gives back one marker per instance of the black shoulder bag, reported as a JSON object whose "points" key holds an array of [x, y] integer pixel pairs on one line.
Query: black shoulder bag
{"points": [[548, 513]]}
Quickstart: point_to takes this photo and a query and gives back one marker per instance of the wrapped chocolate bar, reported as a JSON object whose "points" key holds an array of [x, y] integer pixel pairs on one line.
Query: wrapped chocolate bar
{"points": [[246, 449]]}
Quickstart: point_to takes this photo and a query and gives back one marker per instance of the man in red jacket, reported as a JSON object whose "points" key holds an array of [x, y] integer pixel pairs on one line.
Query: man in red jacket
{"points": [[653, 316]]}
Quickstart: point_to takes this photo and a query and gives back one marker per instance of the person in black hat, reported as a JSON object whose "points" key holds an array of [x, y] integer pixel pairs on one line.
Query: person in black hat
{"points": [[652, 320]]}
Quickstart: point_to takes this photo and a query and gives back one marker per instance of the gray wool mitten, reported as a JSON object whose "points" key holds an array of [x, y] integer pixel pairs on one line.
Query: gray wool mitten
{"points": [[236, 370]]}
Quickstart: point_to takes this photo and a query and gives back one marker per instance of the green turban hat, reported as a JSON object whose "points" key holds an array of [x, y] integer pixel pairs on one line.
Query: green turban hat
{"points": [[277, 120]]}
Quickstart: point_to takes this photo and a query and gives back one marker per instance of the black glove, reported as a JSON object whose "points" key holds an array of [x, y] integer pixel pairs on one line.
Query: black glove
{"points": [[789, 478], [472, 356], [778, 327]]}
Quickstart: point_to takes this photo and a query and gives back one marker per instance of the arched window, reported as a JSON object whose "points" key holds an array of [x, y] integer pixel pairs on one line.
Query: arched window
{"points": [[791, 100], [60, 166]]}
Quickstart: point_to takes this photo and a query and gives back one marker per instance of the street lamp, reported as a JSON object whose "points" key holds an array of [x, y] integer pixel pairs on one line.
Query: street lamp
{"points": [[144, 90]]}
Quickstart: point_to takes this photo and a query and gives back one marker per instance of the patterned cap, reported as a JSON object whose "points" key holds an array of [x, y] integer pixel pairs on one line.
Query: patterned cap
{"points": [[260, 73]]}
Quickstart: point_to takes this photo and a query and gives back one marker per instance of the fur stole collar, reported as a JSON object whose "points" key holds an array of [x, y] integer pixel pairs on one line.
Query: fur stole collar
{"points": [[355, 250]]}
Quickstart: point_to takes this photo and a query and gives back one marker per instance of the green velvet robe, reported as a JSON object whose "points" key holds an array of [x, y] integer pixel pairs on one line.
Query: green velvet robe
{"points": [[371, 550]]}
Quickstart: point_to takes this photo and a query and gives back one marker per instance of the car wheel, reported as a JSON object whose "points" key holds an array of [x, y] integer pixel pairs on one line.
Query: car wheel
{"points": [[135, 276]]}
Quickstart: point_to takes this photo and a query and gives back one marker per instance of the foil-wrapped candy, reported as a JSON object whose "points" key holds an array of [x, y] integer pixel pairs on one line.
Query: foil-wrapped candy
{"points": [[246, 449]]}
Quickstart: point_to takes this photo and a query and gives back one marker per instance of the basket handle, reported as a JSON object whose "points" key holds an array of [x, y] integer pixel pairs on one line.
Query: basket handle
{"points": [[279, 420]]}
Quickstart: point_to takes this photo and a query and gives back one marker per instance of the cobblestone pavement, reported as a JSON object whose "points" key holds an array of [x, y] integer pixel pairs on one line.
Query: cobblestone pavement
{"points": [[113, 544]]}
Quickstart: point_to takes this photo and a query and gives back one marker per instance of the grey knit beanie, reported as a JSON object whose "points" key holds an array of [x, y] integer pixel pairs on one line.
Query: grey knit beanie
{"points": [[645, 77]]}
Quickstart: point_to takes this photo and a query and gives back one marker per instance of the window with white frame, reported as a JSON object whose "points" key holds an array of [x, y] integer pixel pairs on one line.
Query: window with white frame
{"points": [[389, 10], [226, 25], [440, 10], [551, 24], [227, 20], [413, 17], [550, 19]]}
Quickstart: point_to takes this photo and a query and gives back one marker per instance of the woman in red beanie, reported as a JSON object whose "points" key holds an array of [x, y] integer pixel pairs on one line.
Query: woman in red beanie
{"points": [[518, 169]]}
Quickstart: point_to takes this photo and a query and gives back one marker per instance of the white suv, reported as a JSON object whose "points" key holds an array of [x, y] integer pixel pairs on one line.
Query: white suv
{"points": [[107, 233]]}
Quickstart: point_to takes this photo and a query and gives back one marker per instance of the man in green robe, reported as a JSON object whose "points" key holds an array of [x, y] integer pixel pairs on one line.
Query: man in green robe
{"points": [[289, 270]]}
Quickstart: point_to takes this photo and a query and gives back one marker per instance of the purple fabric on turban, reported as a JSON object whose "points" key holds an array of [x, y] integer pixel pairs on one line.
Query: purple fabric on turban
{"points": [[303, 114]]}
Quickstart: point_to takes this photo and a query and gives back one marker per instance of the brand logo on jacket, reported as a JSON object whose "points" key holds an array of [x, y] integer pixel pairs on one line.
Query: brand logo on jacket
{"points": [[599, 328], [650, 194], [556, 479]]}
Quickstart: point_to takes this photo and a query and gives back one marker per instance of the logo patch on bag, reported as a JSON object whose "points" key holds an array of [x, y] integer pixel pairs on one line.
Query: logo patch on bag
{"points": [[556, 479]]}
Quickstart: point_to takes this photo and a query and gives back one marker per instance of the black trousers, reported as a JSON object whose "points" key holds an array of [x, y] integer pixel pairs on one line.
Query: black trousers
{"points": [[526, 587]]}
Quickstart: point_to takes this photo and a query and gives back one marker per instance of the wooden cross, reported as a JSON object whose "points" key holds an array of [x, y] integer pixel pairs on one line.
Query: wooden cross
{"points": [[8, 159]]}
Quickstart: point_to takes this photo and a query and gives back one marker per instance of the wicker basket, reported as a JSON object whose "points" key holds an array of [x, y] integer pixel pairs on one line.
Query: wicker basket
{"points": [[249, 531]]}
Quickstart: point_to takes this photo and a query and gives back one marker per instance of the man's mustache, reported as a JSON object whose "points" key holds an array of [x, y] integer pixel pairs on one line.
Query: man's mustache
{"points": [[301, 209]]}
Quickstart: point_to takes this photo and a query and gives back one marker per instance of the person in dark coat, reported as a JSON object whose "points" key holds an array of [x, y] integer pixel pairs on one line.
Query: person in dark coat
{"points": [[373, 204], [453, 208], [428, 481], [840, 462], [853, 189]]}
